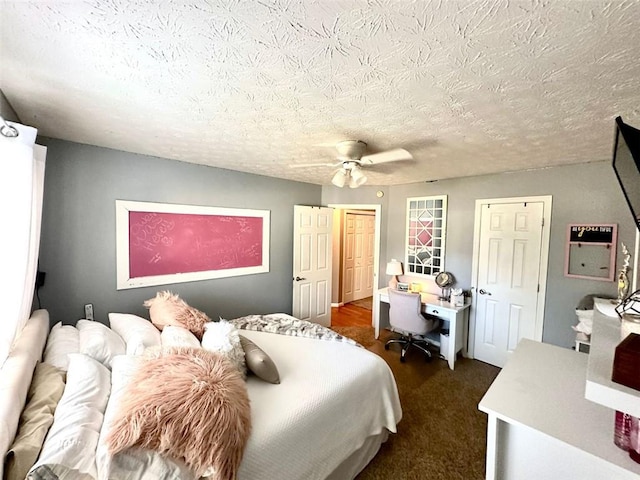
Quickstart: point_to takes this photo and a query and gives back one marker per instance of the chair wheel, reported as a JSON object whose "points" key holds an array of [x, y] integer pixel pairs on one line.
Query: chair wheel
{"points": [[386, 346]]}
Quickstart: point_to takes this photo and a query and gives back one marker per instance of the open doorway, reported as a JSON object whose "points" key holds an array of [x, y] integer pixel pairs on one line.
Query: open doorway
{"points": [[356, 247]]}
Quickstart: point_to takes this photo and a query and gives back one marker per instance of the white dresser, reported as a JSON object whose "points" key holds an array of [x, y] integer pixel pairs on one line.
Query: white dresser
{"points": [[541, 425]]}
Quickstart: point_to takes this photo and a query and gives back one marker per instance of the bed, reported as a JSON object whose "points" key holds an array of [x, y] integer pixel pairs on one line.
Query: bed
{"points": [[336, 403]]}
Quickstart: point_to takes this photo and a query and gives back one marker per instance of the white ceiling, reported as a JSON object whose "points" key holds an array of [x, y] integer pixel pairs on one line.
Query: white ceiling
{"points": [[468, 87]]}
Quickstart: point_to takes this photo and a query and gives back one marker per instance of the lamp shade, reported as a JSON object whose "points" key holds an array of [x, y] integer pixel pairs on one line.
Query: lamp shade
{"points": [[394, 267], [340, 178], [357, 177]]}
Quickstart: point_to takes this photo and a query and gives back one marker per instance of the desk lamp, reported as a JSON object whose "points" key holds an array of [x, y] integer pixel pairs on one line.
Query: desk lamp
{"points": [[394, 268]]}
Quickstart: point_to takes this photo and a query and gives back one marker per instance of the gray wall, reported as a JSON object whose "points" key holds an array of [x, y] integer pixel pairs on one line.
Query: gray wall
{"points": [[586, 193], [78, 241], [78, 231]]}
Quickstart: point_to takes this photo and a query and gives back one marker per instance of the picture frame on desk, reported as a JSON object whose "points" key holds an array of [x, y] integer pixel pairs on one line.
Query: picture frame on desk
{"points": [[403, 287]]}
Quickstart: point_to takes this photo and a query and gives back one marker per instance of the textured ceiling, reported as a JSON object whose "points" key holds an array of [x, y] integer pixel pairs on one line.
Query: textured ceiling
{"points": [[468, 87]]}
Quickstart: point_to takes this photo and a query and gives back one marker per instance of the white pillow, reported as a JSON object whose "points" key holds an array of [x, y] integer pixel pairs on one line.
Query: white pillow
{"points": [[175, 336], [16, 374], [10, 408], [99, 341], [70, 445], [138, 333], [223, 337], [122, 370], [62, 340]]}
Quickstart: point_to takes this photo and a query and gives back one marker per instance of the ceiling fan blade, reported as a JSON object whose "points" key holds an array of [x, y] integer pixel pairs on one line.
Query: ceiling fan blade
{"points": [[395, 155], [323, 164]]}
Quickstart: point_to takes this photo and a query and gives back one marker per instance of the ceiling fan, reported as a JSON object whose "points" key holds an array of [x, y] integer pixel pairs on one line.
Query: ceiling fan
{"points": [[351, 159]]}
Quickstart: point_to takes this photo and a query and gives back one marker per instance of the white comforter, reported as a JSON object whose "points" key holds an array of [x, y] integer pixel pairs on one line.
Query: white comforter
{"points": [[331, 398]]}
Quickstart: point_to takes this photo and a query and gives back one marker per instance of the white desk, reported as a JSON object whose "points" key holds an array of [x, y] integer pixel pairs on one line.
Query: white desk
{"points": [[458, 318]]}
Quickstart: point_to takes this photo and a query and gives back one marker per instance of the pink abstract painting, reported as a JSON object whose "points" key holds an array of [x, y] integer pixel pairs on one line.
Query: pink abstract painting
{"points": [[173, 243]]}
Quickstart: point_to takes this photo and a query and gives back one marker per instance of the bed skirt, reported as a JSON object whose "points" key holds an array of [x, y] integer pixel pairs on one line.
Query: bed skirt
{"points": [[359, 459]]}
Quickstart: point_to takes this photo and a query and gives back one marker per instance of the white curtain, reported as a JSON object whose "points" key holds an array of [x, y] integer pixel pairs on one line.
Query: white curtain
{"points": [[21, 190]]}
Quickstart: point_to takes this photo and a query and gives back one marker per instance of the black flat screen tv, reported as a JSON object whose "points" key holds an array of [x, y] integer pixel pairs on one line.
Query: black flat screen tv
{"points": [[626, 164]]}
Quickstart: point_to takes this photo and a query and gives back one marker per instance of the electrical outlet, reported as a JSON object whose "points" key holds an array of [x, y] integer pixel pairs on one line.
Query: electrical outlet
{"points": [[88, 311]]}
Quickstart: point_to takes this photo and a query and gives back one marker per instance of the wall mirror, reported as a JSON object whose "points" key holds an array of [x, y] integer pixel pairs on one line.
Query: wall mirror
{"points": [[591, 251], [426, 232]]}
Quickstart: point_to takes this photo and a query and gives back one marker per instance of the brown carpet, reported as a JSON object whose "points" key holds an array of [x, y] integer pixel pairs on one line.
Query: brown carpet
{"points": [[362, 335], [442, 434]]}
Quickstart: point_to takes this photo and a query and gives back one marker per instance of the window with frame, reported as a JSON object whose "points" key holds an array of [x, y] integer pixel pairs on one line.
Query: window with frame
{"points": [[426, 232]]}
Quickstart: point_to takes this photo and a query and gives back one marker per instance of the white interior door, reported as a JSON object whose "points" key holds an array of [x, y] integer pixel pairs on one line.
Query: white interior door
{"points": [[358, 258], [510, 252], [349, 258], [359, 255], [312, 245]]}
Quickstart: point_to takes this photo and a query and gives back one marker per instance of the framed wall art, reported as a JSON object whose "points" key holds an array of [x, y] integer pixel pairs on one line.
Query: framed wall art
{"points": [[425, 235], [591, 251], [160, 243]]}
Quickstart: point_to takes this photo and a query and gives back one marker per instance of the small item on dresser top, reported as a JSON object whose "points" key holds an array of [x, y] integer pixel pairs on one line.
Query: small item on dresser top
{"points": [[634, 439], [416, 287], [403, 287], [622, 430], [630, 305], [623, 278], [626, 362], [629, 323]]}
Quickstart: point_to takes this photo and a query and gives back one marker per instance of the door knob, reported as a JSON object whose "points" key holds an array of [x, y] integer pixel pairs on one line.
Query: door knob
{"points": [[482, 291], [297, 279]]}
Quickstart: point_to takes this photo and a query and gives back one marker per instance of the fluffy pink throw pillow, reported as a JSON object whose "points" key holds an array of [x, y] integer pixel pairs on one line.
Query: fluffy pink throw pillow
{"points": [[189, 404], [168, 308]]}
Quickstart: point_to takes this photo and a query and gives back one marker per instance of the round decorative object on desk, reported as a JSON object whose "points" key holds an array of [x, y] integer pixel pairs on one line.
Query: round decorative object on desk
{"points": [[444, 280]]}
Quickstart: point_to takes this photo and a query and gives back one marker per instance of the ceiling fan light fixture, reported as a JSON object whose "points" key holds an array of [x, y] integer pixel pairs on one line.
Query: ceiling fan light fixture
{"points": [[357, 177], [351, 159], [340, 178]]}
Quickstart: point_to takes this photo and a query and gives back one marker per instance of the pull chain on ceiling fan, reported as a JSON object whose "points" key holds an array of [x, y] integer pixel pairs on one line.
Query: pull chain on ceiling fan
{"points": [[350, 159]]}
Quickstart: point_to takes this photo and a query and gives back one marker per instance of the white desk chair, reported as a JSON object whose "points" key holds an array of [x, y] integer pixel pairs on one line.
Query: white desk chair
{"points": [[406, 317]]}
